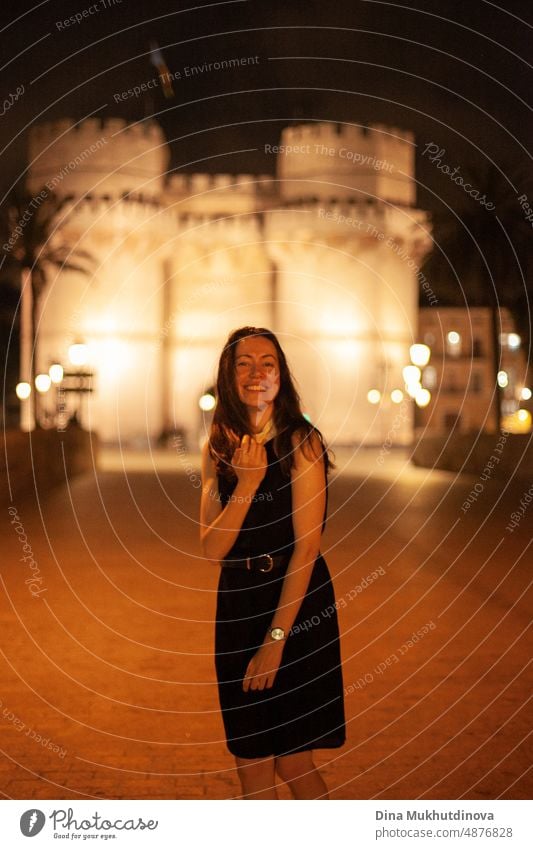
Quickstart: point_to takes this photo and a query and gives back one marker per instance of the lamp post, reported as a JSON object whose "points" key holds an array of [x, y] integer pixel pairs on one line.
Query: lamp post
{"points": [[42, 385], [79, 381], [56, 373], [412, 374], [27, 413]]}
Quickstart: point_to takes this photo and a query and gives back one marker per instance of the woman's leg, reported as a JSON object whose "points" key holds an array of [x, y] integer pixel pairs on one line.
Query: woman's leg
{"points": [[302, 776], [257, 777]]}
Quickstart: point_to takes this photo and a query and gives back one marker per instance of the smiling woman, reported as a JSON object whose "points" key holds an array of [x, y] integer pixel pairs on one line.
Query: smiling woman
{"points": [[263, 510], [257, 375]]}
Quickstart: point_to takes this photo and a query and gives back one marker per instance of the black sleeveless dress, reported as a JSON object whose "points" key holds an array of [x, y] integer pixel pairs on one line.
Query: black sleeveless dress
{"points": [[304, 709]]}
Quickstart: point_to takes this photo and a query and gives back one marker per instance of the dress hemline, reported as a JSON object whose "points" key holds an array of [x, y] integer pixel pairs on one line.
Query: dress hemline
{"points": [[311, 747]]}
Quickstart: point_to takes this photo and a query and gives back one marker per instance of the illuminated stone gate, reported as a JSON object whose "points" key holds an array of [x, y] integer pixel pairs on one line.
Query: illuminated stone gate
{"points": [[326, 253]]}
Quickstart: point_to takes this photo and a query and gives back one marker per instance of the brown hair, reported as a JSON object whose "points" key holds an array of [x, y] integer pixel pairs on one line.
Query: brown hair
{"points": [[230, 420]]}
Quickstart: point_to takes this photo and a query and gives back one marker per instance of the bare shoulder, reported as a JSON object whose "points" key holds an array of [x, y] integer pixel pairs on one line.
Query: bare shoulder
{"points": [[308, 447]]}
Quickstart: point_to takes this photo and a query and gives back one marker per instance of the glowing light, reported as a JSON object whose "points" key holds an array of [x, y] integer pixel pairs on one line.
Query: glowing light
{"points": [[78, 354], [453, 337], [23, 391], [43, 382], [373, 396], [56, 373], [525, 394], [411, 374], [423, 397], [517, 422], [419, 354], [503, 379], [413, 389], [396, 396], [207, 402], [513, 340]]}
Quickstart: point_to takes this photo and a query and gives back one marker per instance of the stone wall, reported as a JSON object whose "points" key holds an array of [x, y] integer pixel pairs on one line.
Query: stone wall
{"points": [[495, 455], [37, 461]]}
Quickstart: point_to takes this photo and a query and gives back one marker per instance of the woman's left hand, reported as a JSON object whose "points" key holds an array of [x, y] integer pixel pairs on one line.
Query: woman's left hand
{"points": [[263, 667]]}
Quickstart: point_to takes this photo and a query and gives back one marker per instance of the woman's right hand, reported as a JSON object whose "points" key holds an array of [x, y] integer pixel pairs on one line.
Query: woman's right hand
{"points": [[249, 462]]}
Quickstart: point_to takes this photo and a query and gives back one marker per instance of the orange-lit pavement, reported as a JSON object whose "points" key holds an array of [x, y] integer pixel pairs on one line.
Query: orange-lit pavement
{"points": [[107, 672]]}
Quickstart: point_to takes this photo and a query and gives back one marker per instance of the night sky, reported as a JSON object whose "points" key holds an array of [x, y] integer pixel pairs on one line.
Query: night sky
{"points": [[455, 73]]}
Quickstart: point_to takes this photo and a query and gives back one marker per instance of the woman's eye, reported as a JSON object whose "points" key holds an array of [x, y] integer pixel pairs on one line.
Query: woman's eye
{"points": [[245, 364]]}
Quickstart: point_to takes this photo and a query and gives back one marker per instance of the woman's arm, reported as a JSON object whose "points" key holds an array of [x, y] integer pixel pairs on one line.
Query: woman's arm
{"points": [[220, 527], [308, 483]]}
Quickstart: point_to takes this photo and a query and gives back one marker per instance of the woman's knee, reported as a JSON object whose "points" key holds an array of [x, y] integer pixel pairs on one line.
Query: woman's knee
{"points": [[292, 767], [257, 771]]}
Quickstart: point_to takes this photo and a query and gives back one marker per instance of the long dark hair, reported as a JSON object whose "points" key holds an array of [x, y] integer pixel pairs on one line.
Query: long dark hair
{"points": [[230, 419]]}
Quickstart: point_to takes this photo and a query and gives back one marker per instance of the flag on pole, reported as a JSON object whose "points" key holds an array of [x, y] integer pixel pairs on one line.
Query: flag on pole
{"points": [[156, 58]]}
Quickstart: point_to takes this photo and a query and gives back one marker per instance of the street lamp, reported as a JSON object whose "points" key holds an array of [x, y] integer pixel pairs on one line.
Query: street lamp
{"points": [[23, 390], [503, 379], [43, 383], [411, 374], [207, 402], [419, 354], [422, 397], [56, 373], [80, 381]]}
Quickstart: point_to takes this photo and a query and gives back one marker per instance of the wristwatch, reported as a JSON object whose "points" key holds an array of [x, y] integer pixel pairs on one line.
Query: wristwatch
{"points": [[277, 633]]}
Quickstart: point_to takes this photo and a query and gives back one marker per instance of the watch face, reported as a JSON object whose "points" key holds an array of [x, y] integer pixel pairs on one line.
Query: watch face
{"points": [[277, 634]]}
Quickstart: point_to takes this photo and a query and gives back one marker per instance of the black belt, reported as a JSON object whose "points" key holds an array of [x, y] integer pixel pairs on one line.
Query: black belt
{"points": [[259, 563]]}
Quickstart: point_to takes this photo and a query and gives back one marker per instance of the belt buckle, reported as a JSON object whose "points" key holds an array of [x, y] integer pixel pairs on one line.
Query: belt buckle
{"points": [[270, 565]]}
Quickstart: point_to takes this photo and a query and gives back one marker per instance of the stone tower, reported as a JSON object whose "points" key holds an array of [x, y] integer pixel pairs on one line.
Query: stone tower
{"points": [[325, 253]]}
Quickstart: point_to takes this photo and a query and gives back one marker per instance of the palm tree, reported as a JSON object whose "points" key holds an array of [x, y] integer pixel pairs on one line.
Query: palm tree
{"points": [[484, 257], [28, 247]]}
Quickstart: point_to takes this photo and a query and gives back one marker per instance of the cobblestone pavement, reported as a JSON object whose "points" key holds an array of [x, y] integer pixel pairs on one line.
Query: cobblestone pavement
{"points": [[107, 638]]}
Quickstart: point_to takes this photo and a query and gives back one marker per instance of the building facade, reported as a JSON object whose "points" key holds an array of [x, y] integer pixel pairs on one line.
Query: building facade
{"points": [[462, 375], [326, 253]]}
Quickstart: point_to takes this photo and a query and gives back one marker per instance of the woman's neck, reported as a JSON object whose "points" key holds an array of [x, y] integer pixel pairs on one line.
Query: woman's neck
{"points": [[259, 421], [263, 428]]}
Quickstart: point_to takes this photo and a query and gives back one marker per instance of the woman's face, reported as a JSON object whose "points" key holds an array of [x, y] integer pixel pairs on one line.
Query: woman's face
{"points": [[256, 371]]}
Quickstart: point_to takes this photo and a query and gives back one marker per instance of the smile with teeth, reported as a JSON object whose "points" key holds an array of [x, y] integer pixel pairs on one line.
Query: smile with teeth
{"points": [[255, 387]]}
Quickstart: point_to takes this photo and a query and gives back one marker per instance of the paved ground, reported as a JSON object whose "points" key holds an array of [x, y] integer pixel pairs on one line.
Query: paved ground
{"points": [[107, 674]]}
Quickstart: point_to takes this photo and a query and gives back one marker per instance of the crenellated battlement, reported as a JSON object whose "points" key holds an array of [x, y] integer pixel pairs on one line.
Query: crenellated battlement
{"points": [[111, 157], [330, 133], [106, 157], [329, 159], [355, 219], [221, 194], [86, 132], [189, 184]]}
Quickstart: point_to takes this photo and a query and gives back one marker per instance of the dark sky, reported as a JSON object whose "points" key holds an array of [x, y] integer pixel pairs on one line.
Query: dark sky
{"points": [[454, 72]]}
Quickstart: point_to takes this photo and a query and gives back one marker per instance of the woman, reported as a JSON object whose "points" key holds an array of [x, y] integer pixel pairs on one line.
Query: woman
{"points": [[264, 500]]}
